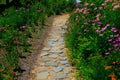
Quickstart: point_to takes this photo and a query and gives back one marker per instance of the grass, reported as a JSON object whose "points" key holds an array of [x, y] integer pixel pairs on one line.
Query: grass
{"points": [[93, 40], [4, 2]]}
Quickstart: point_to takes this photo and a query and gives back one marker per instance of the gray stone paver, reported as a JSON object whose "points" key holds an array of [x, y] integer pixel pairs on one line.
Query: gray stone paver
{"points": [[53, 59], [60, 76], [42, 75]]}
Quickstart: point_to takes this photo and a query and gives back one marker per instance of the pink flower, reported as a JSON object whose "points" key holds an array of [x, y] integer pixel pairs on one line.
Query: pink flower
{"points": [[104, 4], [80, 10], [107, 25], [119, 38], [116, 44], [109, 40], [92, 4], [98, 31], [86, 4], [85, 12], [95, 9], [116, 35], [116, 7], [86, 30], [114, 29], [98, 15], [106, 53], [97, 19], [99, 23], [104, 28], [77, 10]]}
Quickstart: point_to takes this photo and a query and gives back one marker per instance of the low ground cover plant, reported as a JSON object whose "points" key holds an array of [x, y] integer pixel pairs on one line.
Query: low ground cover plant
{"points": [[15, 23], [94, 39]]}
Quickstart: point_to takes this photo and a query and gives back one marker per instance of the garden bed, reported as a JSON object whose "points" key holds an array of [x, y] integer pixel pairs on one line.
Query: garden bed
{"points": [[17, 24], [93, 39]]}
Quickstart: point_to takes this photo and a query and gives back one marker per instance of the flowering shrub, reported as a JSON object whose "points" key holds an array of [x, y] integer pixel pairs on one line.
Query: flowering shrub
{"points": [[94, 39]]}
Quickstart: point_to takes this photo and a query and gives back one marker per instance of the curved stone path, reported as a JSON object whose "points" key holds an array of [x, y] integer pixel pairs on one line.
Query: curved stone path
{"points": [[52, 62]]}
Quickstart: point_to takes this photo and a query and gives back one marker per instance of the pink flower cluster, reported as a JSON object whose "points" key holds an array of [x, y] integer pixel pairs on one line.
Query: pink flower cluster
{"points": [[115, 40], [115, 6], [82, 10], [114, 29], [103, 29]]}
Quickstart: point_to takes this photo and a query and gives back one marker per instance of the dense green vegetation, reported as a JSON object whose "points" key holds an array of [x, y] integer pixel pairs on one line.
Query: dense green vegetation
{"points": [[93, 39], [16, 24]]}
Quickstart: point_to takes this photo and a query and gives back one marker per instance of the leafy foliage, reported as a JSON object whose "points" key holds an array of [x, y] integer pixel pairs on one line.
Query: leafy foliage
{"points": [[93, 38], [15, 23]]}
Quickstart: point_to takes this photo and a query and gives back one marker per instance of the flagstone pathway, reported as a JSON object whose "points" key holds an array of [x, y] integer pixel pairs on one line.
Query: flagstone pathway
{"points": [[52, 63]]}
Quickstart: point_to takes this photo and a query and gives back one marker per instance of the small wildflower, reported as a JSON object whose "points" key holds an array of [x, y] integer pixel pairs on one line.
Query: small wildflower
{"points": [[86, 4], [98, 15], [77, 10], [95, 9], [104, 28], [86, 30], [116, 7], [98, 31], [107, 25], [80, 10], [116, 44], [109, 40], [99, 23], [119, 38], [106, 53], [85, 12], [92, 4], [114, 29], [116, 35], [104, 4]]}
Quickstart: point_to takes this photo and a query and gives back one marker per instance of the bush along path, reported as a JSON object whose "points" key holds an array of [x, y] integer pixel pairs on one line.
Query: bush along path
{"points": [[52, 62]]}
